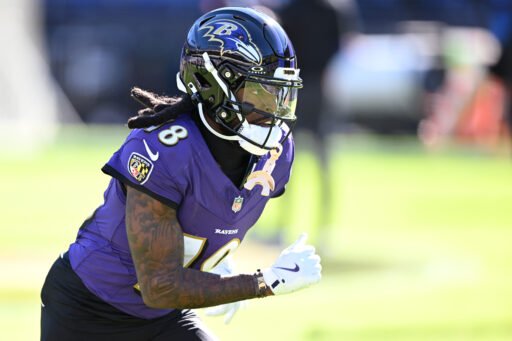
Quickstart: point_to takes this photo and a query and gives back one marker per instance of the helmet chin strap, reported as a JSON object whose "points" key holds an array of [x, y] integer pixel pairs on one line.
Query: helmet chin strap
{"points": [[261, 136], [193, 88]]}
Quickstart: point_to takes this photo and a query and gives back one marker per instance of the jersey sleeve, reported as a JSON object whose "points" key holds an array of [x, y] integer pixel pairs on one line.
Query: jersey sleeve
{"points": [[140, 164]]}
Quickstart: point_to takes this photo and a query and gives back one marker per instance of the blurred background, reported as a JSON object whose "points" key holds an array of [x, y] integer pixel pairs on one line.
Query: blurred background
{"points": [[403, 169]]}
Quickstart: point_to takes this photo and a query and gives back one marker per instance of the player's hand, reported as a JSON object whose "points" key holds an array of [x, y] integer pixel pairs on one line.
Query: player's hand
{"points": [[225, 268], [297, 267]]}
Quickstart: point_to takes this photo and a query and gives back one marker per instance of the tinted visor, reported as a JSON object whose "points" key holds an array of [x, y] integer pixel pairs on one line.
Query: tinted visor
{"points": [[276, 101]]}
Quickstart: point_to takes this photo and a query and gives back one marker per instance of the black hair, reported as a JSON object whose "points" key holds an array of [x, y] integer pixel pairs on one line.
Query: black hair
{"points": [[158, 109]]}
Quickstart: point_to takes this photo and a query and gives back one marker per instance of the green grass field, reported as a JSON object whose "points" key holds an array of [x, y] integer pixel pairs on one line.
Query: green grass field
{"points": [[416, 245]]}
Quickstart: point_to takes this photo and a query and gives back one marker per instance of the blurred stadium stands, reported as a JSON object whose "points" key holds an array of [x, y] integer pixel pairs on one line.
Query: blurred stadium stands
{"points": [[398, 54], [98, 50]]}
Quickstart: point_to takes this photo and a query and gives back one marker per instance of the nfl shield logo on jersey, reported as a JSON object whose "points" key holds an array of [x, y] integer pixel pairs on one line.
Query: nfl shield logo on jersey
{"points": [[237, 204]]}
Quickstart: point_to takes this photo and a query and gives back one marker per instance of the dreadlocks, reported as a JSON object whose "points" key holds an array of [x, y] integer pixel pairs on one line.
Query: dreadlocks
{"points": [[158, 109]]}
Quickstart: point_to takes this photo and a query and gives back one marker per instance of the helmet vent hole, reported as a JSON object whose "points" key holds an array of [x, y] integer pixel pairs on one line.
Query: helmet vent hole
{"points": [[239, 18], [202, 81]]}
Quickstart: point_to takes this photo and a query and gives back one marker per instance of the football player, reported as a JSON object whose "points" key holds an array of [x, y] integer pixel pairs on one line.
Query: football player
{"points": [[187, 184]]}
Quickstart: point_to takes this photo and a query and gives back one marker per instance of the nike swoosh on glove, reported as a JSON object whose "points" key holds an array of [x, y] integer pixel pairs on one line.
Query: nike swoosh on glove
{"points": [[225, 269], [297, 267]]}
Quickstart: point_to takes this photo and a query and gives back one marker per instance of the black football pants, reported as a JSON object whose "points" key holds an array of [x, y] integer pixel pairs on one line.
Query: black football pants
{"points": [[71, 312]]}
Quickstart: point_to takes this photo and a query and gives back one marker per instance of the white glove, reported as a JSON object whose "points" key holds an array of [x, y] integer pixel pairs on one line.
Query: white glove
{"points": [[296, 267], [225, 269]]}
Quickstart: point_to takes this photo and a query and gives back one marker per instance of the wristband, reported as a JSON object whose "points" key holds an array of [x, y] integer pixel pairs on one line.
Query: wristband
{"points": [[262, 289]]}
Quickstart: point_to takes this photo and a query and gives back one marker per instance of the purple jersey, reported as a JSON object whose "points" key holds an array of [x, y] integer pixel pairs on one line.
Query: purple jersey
{"points": [[173, 164]]}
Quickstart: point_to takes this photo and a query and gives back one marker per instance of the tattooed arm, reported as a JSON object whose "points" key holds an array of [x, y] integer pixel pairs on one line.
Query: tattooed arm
{"points": [[156, 243]]}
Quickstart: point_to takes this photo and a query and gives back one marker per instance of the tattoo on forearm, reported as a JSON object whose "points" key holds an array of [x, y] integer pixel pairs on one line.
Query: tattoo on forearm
{"points": [[156, 243]]}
